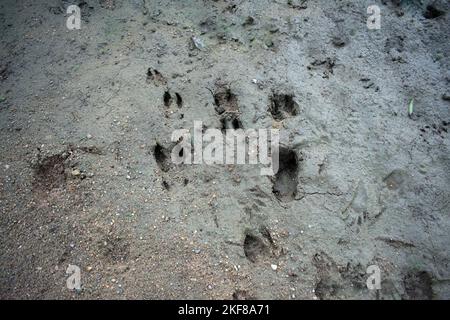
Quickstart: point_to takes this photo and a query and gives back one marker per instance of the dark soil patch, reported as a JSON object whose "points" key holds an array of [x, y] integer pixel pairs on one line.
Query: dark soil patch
{"points": [[50, 173]]}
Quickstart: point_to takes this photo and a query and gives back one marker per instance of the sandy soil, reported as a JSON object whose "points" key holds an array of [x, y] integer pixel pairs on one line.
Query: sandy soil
{"points": [[86, 118]]}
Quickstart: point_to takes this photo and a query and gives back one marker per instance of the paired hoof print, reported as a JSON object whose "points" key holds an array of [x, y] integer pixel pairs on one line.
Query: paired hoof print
{"points": [[286, 180], [327, 65], [283, 106], [168, 99], [155, 77], [227, 108], [225, 100], [230, 122]]}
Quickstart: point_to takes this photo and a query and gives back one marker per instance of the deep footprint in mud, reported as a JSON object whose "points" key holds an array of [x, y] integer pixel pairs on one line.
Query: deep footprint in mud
{"points": [[286, 180], [178, 100], [283, 106], [162, 157], [168, 99], [432, 12], [254, 247]]}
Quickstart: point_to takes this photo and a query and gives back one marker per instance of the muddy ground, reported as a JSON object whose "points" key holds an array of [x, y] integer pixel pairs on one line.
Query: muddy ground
{"points": [[86, 118]]}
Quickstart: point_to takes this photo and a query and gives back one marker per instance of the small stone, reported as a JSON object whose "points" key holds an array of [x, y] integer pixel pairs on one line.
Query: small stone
{"points": [[446, 96], [197, 43], [76, 173], [274, 267], [89, 136]]}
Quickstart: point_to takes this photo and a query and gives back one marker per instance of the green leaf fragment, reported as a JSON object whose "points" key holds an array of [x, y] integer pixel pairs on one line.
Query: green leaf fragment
{"points": [[411, 107]]}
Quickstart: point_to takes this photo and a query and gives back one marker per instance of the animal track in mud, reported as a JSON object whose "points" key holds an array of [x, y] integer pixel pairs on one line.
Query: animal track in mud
{"points": [[432, 12], [286, 179], [226, 106], [254, 247], [283, 106], [364, 209], [225, 100], [156, 77], [230, 122], [255, 201], [418, 285], [162, 157], [50, 173], [437, 129], [168, 99], [334, 280], [258, 244], [394, 47], [327, 64], [179, 100], [328, 284], [367, 84]]}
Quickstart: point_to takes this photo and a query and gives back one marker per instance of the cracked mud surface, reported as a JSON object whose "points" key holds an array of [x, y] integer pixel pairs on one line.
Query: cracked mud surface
{"points": [[86, 178]]}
